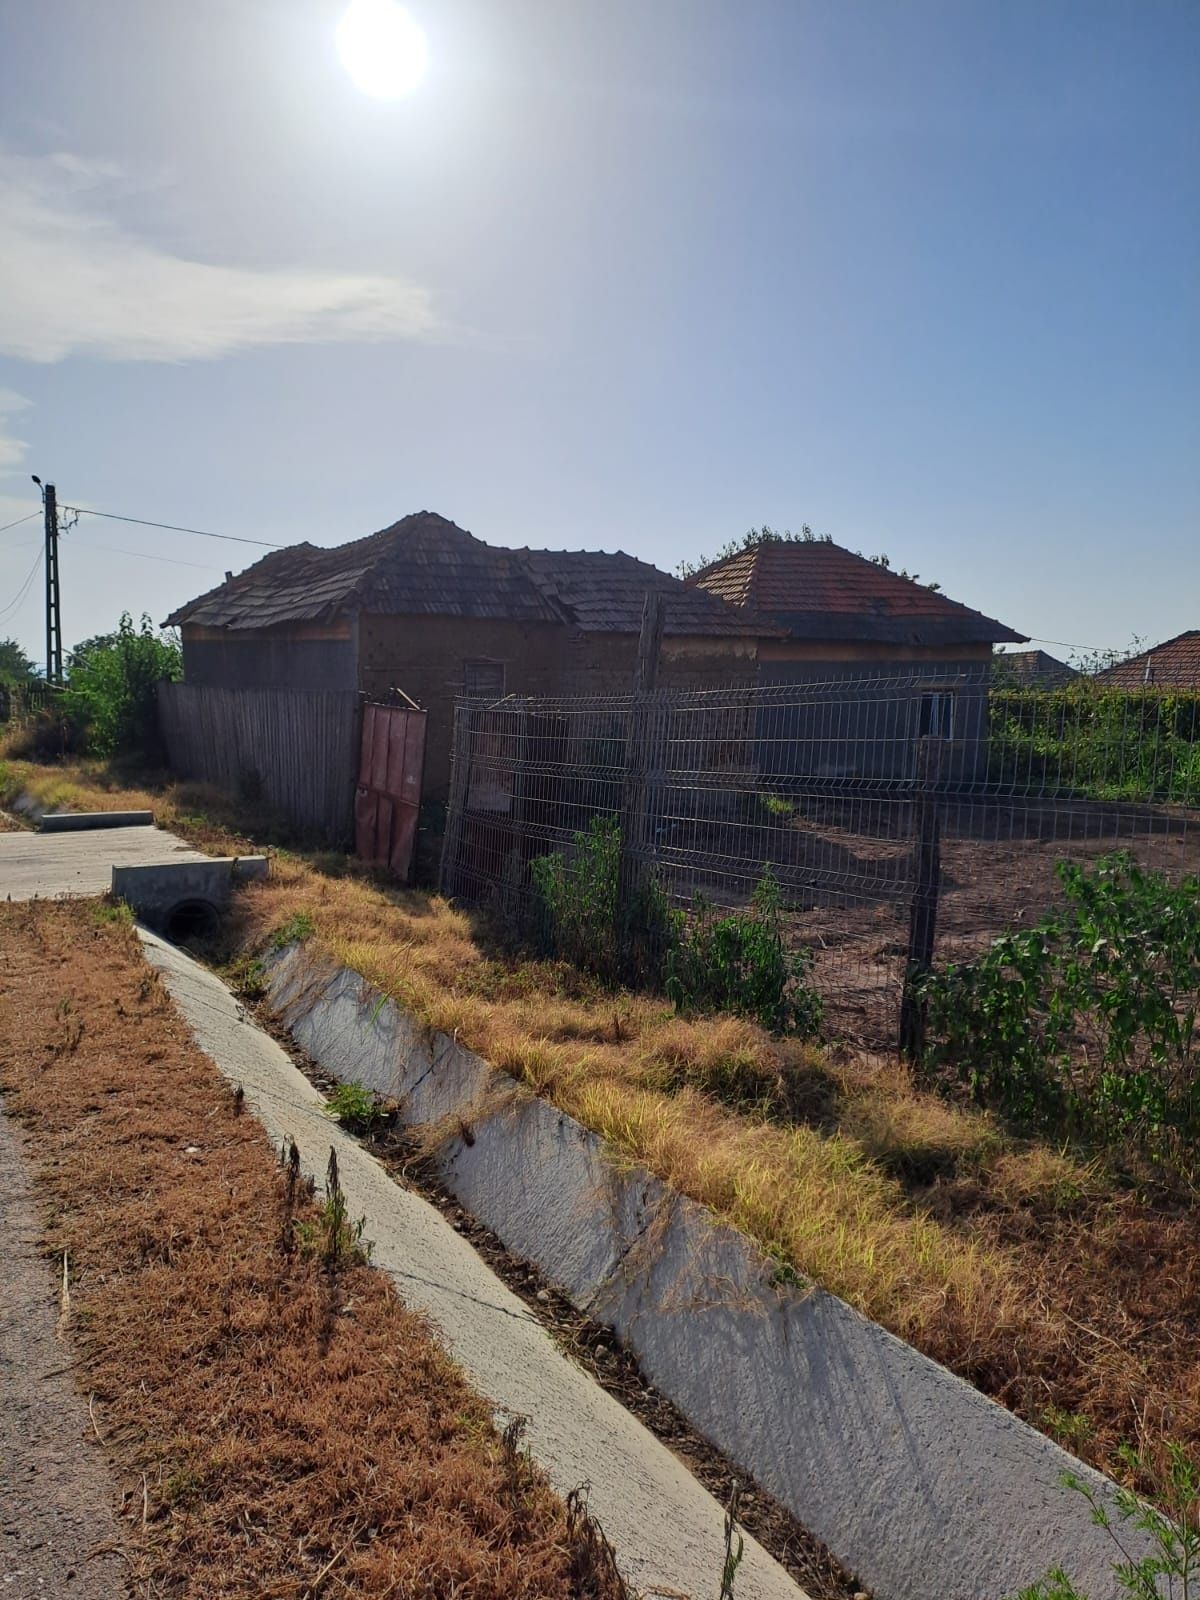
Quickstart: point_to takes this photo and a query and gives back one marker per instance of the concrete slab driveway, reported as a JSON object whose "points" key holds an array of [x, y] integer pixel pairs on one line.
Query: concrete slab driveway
{"points": [[50, 865]]}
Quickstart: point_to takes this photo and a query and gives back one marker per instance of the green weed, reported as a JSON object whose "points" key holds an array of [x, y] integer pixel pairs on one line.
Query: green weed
{"points": [[1174, 1532], [355, 1106], [297, 928]]}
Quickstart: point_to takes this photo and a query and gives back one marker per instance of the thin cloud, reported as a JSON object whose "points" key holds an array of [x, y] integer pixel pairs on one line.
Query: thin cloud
{"points": [[73, 281], [12, 449]]}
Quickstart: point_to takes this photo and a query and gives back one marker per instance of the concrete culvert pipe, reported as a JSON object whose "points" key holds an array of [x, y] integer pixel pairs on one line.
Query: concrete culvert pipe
{"points": [[191, 922]]}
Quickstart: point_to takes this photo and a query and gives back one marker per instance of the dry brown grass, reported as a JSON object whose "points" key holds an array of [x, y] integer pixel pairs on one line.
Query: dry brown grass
{"points": [[279, 1430], [1000, 1258]]}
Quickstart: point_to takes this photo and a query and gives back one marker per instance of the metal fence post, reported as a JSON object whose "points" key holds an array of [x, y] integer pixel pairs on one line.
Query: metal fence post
{"points": [[460, 767], [637, 729], [927, 875]]}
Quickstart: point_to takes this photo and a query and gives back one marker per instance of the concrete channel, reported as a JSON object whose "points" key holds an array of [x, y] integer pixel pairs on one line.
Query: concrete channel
{"points": [[667, 1530], [912, 1478]]}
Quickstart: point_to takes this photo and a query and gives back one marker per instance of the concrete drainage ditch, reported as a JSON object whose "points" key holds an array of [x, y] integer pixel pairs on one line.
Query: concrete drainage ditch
{"points": [[912, 1478]]}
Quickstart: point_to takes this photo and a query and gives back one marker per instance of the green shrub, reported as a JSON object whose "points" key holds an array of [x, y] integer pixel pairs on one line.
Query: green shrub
{"points": [[578, 897], [736, 961], [1105, 743], [1085, 1025], [112, 688], [739, 961]]}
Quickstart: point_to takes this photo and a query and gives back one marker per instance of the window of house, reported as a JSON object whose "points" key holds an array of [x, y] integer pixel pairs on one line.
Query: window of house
{"points": [[937, 715], [484, 679]]}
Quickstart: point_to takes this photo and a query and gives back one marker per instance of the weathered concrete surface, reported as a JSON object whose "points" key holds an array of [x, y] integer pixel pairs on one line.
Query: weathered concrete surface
{"points": [[155, 891], [667, 1530], [86, 821], [58, 1531], [54, 864], [916, 1481]]}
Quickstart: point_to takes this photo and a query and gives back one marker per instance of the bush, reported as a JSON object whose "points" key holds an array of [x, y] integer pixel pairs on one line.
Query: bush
{"points": [[578, 900], [738, 961], [1085, 1025], [1105, 743], [112, 689], [735, 961]]}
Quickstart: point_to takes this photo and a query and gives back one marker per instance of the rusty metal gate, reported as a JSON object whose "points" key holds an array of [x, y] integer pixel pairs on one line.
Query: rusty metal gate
{"points": [[388, 795]]}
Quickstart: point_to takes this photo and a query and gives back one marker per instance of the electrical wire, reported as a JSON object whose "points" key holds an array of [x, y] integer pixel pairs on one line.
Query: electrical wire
{"points": [[28, 517], [171, 527], [144, 555], [23, 590]]}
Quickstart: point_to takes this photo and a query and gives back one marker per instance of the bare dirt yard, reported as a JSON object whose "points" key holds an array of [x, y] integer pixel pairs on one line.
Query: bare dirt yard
{"points": [[852, 885], [275, 1421]]}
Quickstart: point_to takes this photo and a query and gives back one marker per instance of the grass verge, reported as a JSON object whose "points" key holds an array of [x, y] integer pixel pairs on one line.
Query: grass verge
{"points": [[281, 1423], [1031, 1274]]}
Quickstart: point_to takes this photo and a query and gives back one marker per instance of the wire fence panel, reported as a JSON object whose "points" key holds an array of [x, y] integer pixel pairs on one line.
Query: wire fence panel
{"points": [[907, 817]]}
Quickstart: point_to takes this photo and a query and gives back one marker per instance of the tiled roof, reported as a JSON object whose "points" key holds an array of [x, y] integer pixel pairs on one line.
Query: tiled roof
{"points": [[1174, 664], [1035, 669], [605, 594], [818, 590], [424, 564]]}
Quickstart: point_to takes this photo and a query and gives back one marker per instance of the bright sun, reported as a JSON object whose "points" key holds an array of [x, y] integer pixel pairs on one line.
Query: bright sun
{"points": [[382, 48]]}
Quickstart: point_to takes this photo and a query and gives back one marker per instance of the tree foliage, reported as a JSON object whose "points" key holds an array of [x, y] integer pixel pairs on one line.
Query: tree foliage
{"points": [[113, 684], [15, 665]]}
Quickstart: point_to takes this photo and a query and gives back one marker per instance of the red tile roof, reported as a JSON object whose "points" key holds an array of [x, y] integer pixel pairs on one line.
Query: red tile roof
{"points": [[818, 590], [1174, 664]]}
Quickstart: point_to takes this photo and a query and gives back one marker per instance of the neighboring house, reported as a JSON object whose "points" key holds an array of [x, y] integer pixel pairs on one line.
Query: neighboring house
{"points": [[1174, 664], [1032, 669], [426, 608], [845, 618]]}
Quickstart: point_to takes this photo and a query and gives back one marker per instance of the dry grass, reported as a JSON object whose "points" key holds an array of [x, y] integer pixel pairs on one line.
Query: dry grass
{"points": [[281, 1429], [999, 1258]]}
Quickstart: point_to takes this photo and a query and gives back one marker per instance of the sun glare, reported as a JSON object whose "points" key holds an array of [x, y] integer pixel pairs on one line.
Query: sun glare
{"points": [[382, 48]]}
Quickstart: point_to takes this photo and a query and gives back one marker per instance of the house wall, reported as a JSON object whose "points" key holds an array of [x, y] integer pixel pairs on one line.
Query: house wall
{"points": [[868, 730], [425, 657], [300, 656]]}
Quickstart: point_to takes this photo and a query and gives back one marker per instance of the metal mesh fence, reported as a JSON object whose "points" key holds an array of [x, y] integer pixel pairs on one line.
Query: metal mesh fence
{"points": [[863, 796]]}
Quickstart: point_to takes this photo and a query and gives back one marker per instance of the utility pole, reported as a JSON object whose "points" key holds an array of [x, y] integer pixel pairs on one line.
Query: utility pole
{"points": [[54, 670]]}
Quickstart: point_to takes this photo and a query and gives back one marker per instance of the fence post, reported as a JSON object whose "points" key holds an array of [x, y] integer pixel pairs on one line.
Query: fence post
{"points": [[460, 767], [637, 727], [927, 874]]}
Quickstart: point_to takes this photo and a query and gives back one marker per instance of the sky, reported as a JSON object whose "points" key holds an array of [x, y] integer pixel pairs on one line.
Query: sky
{"points": [[617, 274]]}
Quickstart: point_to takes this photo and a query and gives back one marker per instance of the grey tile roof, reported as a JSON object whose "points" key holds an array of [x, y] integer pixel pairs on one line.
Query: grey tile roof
{"points": [[605, 594], [424, 564]]}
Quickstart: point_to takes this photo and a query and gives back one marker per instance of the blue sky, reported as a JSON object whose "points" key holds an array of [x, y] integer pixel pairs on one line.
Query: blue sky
{"points": [[616, 275]]}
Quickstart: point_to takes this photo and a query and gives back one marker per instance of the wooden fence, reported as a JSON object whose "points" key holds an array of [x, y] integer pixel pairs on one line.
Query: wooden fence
{"points": [[295, 749]]}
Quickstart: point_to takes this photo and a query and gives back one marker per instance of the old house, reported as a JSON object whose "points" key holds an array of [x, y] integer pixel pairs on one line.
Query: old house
{"points": [[838, 618], [426, 608], [1032, 669], [1174, 664]]}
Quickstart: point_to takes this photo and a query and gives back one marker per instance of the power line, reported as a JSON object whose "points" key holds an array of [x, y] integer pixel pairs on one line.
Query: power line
{"points": [[171, 527], [28, 517], [24, 589], [144, 555]]}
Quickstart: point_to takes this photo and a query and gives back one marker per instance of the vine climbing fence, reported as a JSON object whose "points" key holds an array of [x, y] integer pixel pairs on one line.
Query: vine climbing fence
{"points": [[907, 820]]}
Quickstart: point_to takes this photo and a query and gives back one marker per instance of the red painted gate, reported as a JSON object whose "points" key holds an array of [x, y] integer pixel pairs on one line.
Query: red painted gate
{"points": [[388, 796]]}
